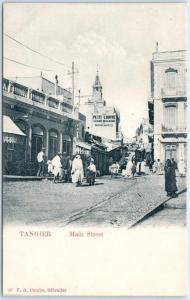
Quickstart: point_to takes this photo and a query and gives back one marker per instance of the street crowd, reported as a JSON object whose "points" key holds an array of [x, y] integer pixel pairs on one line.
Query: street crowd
{"points": [[62, 168]]}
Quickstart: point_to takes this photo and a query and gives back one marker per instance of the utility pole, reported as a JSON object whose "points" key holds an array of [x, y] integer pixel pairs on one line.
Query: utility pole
{"points": [[73, 83], [72, 73], [79, 99]]}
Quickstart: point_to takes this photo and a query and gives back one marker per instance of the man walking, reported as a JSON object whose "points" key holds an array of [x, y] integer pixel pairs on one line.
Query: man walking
{"points": [[64, 162], [41, 162], [91, 172], [57, 167]]}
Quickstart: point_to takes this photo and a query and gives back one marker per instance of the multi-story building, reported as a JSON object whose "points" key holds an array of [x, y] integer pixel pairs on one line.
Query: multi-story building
{"points": [[43, 85], [45, 121], [144, 134], [36, 118], [168, 104], [101, 120]]}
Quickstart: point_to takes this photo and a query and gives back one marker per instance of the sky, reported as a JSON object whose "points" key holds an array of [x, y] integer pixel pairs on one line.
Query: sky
{"points": [[119, 38]]}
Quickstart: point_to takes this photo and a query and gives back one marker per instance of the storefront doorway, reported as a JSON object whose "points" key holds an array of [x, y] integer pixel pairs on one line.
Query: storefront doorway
{"points": [[171, 152], [37, 141]]}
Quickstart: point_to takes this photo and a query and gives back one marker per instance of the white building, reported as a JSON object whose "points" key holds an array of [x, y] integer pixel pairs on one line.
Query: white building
{"points": [[101, 120], [144, 134], [168, 105]]}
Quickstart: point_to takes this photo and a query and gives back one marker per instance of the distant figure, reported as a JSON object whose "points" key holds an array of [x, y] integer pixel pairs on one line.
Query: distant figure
{"points": [[160, 170], [110, 163], [174, 164], [128, 172], [138, 168], [69, 166], [117, 168], [143, 167], [170, 179], [57, 166], [50, 167], [64, 161], [91, 172], [154, 167], [41, 162], [133, 169], [181, 167], [114, 169], [77, 171]]}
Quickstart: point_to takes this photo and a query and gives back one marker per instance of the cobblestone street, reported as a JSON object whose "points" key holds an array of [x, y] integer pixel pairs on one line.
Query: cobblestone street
{"points": [[111, 202]]}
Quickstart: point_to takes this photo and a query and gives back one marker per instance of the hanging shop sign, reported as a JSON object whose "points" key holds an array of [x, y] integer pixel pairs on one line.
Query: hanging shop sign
{"points": [[13, 139]]}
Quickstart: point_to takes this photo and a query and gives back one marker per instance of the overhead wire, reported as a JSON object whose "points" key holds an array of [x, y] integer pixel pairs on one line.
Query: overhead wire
{"points": [[33, 50], [29, 66]]}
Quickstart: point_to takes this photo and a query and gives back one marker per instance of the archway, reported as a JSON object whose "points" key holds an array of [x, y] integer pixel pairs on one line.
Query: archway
{"points": [[37, 141]]}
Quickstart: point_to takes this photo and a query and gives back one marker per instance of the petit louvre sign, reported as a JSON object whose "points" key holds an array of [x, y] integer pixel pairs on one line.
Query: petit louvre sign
{"points": [[101, 120]]}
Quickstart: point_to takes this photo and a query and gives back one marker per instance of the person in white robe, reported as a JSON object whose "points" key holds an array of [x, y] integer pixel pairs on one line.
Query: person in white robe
{"points": [[143, 167], [50, 167], [129, 166], [181, 167], [57, 167], [77, 171]]}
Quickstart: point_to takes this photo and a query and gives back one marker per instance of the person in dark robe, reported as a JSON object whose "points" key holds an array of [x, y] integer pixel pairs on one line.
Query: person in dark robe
{"points": [[170, 179], [174, 164]]}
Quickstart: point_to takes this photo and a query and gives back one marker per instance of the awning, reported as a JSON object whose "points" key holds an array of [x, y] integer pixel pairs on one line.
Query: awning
{"points": [[10, 127], [98, 144], [83, 145]]}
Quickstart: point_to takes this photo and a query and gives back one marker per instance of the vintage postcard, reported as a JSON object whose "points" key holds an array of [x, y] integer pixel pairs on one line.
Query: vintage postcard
{"points": [[94, 149]]}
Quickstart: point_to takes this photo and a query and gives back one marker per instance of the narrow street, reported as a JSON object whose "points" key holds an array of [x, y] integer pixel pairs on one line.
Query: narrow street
{"points": [[111, 202]]}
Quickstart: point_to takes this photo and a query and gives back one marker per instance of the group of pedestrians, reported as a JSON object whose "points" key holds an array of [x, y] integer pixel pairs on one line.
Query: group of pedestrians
{"points": [[64, 169], [169, 169]]}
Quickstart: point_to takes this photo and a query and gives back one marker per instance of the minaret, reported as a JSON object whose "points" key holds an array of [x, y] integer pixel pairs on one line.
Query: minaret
{"points": [[97, 88]]}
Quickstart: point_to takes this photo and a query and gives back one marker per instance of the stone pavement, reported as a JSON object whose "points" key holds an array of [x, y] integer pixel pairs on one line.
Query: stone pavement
{"points": [[111, 202], [135, 202]]}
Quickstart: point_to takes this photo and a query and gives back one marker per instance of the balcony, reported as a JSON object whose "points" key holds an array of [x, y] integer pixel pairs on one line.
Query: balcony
{"points": [[52, 102], [31, 96], [176, 94], [174, 131], [38, 97]]}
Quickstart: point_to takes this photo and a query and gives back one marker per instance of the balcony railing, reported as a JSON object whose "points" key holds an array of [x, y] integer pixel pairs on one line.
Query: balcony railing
{"points": [[37, 96], [20, 90], [5, 84], [176, 129], [176, 92], [52, 102]]}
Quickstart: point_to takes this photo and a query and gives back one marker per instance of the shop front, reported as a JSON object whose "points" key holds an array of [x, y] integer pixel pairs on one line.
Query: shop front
{"points": [[14, 145]]}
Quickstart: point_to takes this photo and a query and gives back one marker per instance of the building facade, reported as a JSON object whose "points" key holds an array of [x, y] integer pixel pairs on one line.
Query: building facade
{"points": [[168, 104], [101, 120], [144, 134], [45, 121]]}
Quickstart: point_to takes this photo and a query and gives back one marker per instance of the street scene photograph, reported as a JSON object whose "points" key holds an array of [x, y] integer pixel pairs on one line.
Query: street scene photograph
{"points": [[94, 115]]}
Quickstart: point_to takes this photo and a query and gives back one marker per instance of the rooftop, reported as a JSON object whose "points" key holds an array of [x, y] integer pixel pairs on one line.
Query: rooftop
{"points": [[169, 55]]}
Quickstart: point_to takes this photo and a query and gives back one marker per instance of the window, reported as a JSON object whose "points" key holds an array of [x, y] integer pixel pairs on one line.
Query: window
{"points": [[171, 78], [67, 147], [170, 116]]}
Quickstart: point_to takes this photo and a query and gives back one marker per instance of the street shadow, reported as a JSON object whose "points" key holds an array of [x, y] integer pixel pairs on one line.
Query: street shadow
{"points": [[182, 191], [87, 184]]}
